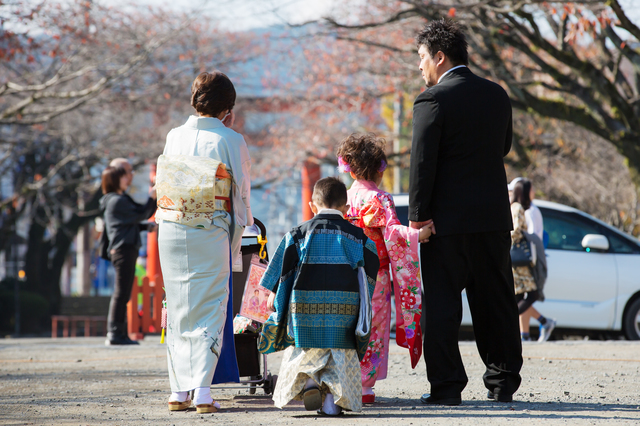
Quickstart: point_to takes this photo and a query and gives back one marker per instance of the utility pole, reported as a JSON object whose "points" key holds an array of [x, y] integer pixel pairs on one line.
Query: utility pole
{"points": [[83, 253], [310, 174]]}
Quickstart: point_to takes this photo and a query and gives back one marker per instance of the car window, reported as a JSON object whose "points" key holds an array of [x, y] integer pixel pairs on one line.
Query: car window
{"points": [[403, 214], [566, 232], [621, 245]]}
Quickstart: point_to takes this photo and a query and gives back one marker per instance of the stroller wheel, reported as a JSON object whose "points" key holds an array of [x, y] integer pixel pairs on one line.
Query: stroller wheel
{"points": [[270, 384], [252, 386]]}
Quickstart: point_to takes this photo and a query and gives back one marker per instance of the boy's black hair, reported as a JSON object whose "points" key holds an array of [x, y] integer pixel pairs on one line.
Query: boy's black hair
{"points": [[446, 36], [330, 192]]}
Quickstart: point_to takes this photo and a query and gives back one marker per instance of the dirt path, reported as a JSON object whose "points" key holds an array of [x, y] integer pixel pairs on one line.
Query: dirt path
{"points": [[82, 382]]}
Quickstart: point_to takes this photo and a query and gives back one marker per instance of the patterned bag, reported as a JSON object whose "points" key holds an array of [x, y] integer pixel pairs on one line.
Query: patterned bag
{"points": [[273, 337], [521, 254]]}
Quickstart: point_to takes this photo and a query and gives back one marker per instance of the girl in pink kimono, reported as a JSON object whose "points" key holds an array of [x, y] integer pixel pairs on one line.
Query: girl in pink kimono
{"points": [[373, 210]]}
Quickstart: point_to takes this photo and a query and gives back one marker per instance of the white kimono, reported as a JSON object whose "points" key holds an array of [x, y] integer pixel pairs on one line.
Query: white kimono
{"points": [[195, 262]]}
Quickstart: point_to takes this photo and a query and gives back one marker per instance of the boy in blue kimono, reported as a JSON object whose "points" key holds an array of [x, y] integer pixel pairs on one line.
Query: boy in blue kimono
{"points": [[322, 277]]}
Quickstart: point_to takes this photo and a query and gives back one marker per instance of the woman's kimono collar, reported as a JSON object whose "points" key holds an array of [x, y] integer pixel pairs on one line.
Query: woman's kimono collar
{"points": [[203, 123], [365, 184]]}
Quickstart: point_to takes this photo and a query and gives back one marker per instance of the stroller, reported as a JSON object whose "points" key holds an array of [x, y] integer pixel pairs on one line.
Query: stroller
{"points": [[247, 354]]}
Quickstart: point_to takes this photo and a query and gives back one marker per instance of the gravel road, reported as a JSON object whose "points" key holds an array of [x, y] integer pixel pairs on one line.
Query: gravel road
{"points": [[81, 382]]}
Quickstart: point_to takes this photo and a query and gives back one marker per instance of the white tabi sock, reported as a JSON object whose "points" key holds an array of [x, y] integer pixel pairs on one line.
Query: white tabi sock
{"points": [[178, 396], [310, 384], [203, 396], [329, 407], [367, 391]]}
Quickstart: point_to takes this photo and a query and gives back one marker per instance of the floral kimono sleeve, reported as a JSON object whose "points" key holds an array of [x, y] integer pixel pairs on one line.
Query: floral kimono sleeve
{"points": [[402, 244]]}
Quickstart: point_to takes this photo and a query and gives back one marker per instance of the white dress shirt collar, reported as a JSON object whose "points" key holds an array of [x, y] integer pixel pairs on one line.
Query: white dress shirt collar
{"points": [[331, 211], [449, 70]]}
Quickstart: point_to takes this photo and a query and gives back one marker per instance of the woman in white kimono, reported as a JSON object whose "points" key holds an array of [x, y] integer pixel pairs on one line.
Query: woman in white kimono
{"points": [[198, 239]]}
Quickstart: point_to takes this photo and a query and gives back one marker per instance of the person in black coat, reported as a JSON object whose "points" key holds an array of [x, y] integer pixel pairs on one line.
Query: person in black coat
{"points": [[122, 217], [461, 131]]}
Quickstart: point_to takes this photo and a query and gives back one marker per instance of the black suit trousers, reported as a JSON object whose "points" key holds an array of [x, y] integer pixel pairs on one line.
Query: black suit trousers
{"points": [[479, 263]]}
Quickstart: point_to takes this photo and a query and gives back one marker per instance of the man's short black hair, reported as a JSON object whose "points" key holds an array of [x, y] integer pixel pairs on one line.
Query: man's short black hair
{"points": [[446, 36], [330, 192]]}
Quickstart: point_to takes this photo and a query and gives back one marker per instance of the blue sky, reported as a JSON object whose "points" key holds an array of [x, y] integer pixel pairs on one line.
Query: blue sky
{"points": [[246, 14]]}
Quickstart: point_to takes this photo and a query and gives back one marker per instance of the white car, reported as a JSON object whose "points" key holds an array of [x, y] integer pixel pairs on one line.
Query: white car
{"points": [[593, 272]]}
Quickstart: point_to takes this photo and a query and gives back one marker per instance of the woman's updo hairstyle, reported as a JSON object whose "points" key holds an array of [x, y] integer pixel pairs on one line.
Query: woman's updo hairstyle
{"points": [[522, 193], [364, 153], [212, 93]]}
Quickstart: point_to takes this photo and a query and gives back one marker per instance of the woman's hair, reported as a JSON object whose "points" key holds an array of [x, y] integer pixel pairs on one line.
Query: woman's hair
{"points": [[212, 93], [111, 179], [446, 36], [522, 193], [364, 154]]}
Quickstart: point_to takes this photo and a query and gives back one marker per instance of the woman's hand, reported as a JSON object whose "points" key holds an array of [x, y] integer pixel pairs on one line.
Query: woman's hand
{"points": [[270, 300], [152, 192]]}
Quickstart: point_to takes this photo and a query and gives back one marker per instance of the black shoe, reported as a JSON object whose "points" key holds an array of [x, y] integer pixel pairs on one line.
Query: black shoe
{"points": [[428, 399], [119, 339], [499, 398]]}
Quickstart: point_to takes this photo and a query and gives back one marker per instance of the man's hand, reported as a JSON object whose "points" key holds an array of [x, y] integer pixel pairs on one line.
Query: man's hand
{"points": [[270, 300], [418, 225]]}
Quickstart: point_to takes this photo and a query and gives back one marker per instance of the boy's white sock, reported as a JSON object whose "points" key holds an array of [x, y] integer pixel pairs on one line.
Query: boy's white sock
{"points": [[310, 384], [178, 396], [329, 407], [202, 396]]}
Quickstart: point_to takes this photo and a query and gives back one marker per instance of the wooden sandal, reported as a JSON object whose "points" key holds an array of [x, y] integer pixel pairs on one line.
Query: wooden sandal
{"points": [[206, 408], [179, 406], [312, 398]]}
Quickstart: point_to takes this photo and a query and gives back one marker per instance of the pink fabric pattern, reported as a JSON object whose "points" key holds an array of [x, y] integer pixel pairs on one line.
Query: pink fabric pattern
{"points": [[373, 210]]}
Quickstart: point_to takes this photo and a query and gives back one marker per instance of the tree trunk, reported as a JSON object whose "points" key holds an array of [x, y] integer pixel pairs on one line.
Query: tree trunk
{"points": [[45, 259]]}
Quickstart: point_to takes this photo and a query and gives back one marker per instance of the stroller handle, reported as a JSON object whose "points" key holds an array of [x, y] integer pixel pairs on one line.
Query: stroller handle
{"points": [[259, 224]]}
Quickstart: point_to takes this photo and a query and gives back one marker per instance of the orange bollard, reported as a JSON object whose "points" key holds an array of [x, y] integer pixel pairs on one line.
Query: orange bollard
{"points": [[145, 313], [157, 293]]}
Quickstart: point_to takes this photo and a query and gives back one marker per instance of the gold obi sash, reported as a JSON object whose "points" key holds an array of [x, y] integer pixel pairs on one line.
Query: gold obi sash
{"points": [[190, 189]]}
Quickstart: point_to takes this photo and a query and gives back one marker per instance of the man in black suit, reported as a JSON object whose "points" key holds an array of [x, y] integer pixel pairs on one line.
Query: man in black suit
{"points": [[461, 132]]}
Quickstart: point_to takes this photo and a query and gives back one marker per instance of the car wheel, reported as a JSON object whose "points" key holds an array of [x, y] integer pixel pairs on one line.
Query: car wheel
{"points": [[632, 321]]}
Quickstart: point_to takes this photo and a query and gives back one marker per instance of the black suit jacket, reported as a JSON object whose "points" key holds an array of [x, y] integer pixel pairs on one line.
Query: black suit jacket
{"points": [[462, 129]]}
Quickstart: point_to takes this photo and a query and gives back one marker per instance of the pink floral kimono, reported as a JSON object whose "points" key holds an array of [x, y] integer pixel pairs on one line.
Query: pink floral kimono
{"points": [[374, 211]]}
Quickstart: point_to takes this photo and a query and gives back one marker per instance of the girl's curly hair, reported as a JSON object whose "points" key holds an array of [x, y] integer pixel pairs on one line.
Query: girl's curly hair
{"points": [[364, 153]]}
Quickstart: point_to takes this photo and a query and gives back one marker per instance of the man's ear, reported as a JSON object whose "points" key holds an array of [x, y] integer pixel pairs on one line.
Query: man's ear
{"points": [[441, 57]]}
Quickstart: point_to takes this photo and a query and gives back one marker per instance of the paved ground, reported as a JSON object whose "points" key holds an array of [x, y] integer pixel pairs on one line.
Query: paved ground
{"points": [[82, 382]]}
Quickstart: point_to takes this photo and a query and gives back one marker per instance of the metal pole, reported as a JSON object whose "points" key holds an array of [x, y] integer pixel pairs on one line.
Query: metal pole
{"points": [[397, 132], [16, 287]]}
